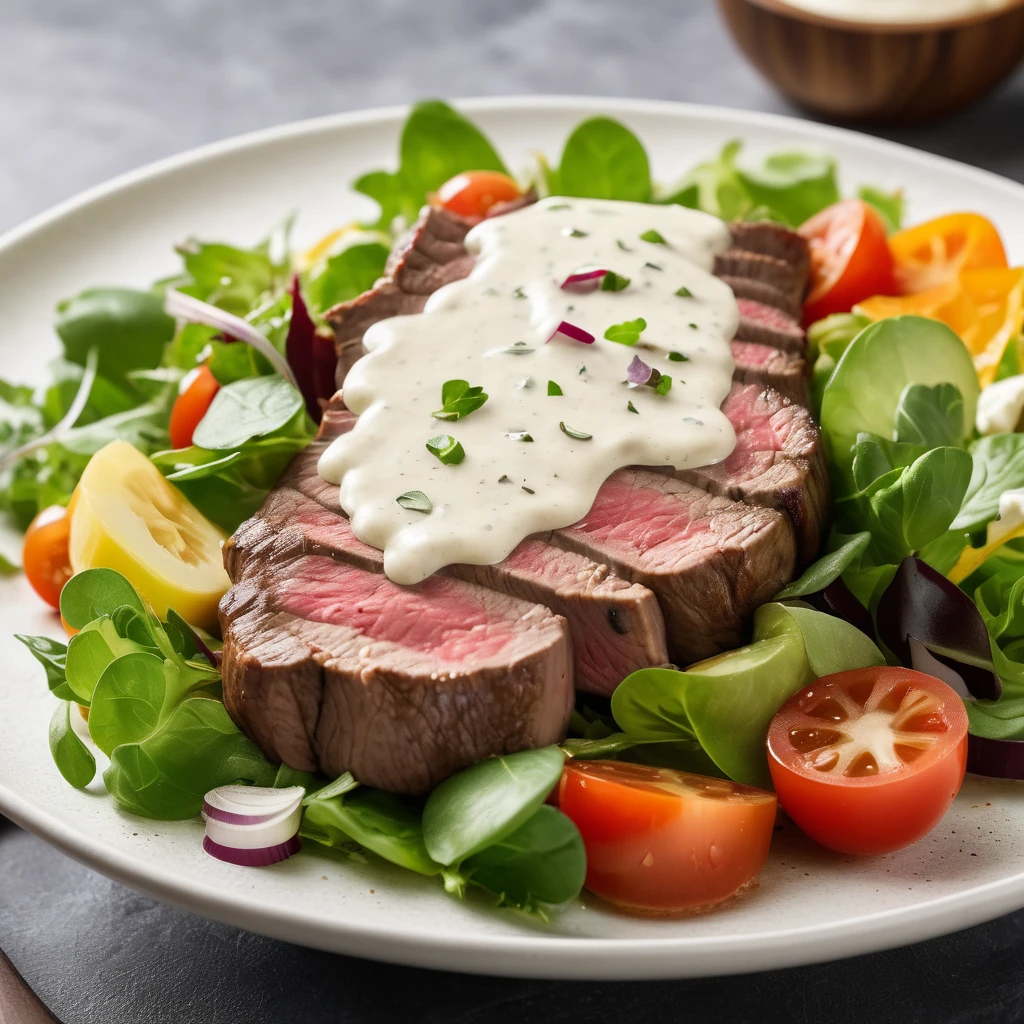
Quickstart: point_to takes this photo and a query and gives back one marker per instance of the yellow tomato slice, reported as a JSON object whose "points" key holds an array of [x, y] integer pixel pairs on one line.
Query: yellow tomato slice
{"points": [[129, 518], [936, 251]]}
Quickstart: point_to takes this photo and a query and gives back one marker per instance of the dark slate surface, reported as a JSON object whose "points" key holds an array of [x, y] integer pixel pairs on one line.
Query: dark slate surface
{"points": [[90, 88]]}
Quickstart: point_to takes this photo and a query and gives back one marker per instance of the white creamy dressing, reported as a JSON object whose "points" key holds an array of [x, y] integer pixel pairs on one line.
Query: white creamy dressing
{"points": [[896, 12], [493, 329]]}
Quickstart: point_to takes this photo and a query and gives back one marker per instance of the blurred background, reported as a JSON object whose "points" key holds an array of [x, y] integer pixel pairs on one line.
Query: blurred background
{"points": [[92, 88]]}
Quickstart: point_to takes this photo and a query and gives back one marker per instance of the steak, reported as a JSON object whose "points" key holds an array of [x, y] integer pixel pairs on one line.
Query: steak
{"points": [[770, 239], [778, 462], [770, 270], [709, 560], [764, 365], [616, 626], [329, 667], [769, 326]]}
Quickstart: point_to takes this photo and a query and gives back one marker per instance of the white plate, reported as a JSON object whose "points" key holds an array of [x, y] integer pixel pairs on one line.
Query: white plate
{"points": [[809, 906]]}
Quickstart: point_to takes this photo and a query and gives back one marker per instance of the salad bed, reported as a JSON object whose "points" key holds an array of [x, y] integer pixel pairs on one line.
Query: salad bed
{"points": [[923, 510]]}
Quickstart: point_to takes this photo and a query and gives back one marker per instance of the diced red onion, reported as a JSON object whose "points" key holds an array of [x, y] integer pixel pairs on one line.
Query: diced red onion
{"points": [[186, 307], [258, 858], [572, 333], [584, 281], [997, 759], [638, 372]]}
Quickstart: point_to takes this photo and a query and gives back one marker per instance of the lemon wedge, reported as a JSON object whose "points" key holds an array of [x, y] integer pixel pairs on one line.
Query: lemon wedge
{"points": [[129, 518]]}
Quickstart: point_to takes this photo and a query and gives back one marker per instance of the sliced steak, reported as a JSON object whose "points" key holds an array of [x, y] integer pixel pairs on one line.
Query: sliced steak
{"points": [[332, 668], [616, 626], [770, 270], [770, 326], [711, 561], [762, 364], [767, 294], [778, 462], [770, 239]]}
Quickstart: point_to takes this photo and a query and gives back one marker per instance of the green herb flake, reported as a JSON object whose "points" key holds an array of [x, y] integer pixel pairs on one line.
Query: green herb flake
{"points": [[519, 435], [553, 389], [574, 233], [612, 282], [693, 327], [504, 479], [529, 490], [622, 245], [632, 408], [518, 349], [458, 399], [560, 206], [582, 370], [626, 333], [654, 236], [519, 293], [446, 449], [664, 385], [678, 357], [684, 293], [579, 435], [415, 501], [653, 266]]}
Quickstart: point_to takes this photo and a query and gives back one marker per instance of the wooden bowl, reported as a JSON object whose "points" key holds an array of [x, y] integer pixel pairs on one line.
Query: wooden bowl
{"points": [[896, 73]]}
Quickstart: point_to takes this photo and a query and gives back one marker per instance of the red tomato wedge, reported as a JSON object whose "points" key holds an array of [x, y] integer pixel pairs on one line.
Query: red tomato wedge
{"points": [[199, 388], [661, 841], [45, 553], [869, 761], [931, 254], [472, 193], [850, 258]]}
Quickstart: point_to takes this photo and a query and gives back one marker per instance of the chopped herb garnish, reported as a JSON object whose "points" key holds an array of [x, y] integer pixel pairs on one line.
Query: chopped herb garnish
{"points": [[678, 357], [654, 236], [504, 479], [684, 292], [579, 435], [664, 384], [573, 233], [628, 332], [445, 448], [529, 490], [612, 282], [582, 370], [632, 408], [415, 501], [691, 419], [518, 349], [693, 327], [653, 266], [622, 245], [560, 206], [519, 293], [553, 389], [519, 435], [458, 399]]}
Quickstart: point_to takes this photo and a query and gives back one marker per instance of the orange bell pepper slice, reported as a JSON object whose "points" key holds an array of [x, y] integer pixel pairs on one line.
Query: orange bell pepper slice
{"points": [[939, 250]]}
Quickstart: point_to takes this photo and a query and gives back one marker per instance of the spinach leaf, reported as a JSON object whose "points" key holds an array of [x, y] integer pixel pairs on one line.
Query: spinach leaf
{"points": [[127, 700], [387, 824], [52, 655], [888, 205], [91, 651], [1001, 719], [714, 186], [827, 569], [795, 184], [603, 159], [196, 749], [998, 467], [346, 275], [105, 397], [931, 416], [234, 279], [128, 328], [94, 593], [1000, 600], [487, 802], [72, 757], [541, 863], [247, 409]]}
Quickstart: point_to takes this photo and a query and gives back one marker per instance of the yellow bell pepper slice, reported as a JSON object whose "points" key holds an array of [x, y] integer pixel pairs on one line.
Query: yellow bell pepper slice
{"points": [[129, 518]]}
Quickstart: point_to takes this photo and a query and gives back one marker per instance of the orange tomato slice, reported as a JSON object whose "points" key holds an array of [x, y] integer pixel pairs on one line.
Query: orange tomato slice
{"points": [[937, 251]]}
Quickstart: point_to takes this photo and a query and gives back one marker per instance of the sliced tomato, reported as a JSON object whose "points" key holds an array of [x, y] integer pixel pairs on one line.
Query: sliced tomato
{"points": [[472, 193], [660, 841], [869, 761], [197, 392], [850, 258], [930, 254], [45, 553]]}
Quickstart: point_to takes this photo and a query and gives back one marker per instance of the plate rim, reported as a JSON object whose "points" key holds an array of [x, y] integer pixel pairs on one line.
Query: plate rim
{"points": [[527, 954]]}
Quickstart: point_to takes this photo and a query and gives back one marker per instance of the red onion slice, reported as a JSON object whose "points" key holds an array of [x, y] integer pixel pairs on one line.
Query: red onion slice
{"points": [[572, 333], [638, 372], [250, 805], [258, 858], [584, 281]]}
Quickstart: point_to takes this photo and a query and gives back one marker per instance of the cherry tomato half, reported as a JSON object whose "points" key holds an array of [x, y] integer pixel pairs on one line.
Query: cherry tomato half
{"points": [[45, 553], [869, 761], [661, 841], [930, 254], [850, 258], [198, 389], [472, 193]]}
